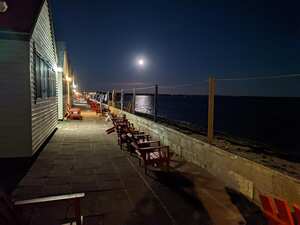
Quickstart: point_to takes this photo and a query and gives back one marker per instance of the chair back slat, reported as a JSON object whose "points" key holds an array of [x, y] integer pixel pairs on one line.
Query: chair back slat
{"points": [[272, 219], [297, 213], [284, 212], [268, 204]]}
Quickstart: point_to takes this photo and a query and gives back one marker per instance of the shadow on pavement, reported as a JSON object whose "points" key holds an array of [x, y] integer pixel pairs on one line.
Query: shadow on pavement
{"points": [[251, 212], [12, 170], [182, 184]]}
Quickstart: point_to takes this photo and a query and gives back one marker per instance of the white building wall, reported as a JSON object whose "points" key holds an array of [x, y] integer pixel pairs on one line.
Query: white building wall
{"points": [[44, 111], [15, 111]]}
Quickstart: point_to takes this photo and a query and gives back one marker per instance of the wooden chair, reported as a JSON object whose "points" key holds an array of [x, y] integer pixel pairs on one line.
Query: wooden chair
{"points": [[137, 137], [269, 208], [268, 204], [152, 153], [73, 113], [93, 106], [98, 108], [117, 122], [127, 133], [297, 214], [10, 212], [272, 219], [278, 209], [284, 212], [122, 129]]}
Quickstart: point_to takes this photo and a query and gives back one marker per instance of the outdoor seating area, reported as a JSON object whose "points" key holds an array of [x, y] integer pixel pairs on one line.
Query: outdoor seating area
{"points": [[140, 144], [108, 163], [278, 212]]}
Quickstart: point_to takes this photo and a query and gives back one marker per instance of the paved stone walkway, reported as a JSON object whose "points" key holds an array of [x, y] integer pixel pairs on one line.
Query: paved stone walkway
{"points": [[80, 157]]}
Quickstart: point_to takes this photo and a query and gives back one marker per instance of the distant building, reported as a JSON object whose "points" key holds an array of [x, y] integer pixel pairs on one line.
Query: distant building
{"points": [[28, 92], [64, 80]]}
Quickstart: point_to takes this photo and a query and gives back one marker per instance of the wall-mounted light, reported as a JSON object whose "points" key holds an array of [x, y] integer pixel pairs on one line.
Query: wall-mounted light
{"points": [[69, 79], [58, 69]]}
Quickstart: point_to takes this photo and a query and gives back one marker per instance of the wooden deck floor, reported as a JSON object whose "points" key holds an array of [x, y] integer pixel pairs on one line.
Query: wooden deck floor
{"points": [[80, 157]]}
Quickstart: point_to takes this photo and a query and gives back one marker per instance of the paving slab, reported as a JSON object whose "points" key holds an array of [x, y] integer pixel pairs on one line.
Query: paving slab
{"points": [[81, 157]]}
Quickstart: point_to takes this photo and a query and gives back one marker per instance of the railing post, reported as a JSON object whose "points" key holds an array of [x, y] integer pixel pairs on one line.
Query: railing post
{"points": [[108, 101], [122, 99], [155, 102], [133, 101], [113, 98], [211, 106]]}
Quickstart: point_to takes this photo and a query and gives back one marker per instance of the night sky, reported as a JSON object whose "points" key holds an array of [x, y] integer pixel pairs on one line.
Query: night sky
{"points": [[183, 42]]}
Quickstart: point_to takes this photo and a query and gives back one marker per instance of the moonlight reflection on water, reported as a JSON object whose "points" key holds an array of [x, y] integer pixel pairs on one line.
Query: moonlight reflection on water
{"points": [[143, 104]]}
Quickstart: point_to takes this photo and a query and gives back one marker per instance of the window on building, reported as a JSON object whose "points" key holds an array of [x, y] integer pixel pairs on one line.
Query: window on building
{"points": [[44, 79], [37, 78], [51, 83]]}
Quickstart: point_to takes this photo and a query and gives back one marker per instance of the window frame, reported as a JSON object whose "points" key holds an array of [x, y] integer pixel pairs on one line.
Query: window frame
{"points": [[44, 78]]}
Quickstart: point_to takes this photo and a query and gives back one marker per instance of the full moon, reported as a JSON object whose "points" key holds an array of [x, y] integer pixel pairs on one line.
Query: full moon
{"points": [[141, 62]]}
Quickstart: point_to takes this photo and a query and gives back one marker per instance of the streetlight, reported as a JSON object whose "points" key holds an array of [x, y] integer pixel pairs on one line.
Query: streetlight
{"points": [[58, 69], [69, 79]]}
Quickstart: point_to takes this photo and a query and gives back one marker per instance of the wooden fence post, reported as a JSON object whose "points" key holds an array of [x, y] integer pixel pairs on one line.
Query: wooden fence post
{"points": [[108, 100], [155, 102], [122, 99], [211, 106], [113, 98], [133, 101]]}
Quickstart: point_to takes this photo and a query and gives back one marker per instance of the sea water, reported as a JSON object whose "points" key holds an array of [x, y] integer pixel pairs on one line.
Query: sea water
{"points": [[269, 121]]}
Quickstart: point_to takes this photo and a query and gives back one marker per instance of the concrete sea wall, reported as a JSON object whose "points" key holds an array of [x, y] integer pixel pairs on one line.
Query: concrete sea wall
{"points": [[241, 174]]}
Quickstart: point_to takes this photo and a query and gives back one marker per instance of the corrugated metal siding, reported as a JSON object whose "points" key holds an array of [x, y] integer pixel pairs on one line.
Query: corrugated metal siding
{"points": [[15, 123], [44, 111]]}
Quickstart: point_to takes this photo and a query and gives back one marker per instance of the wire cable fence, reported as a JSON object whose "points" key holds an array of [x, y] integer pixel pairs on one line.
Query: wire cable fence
{"points": [[260, 111]]}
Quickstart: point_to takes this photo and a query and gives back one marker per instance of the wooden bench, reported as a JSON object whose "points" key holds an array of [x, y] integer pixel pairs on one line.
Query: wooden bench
{"points": [[74, 198]]}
